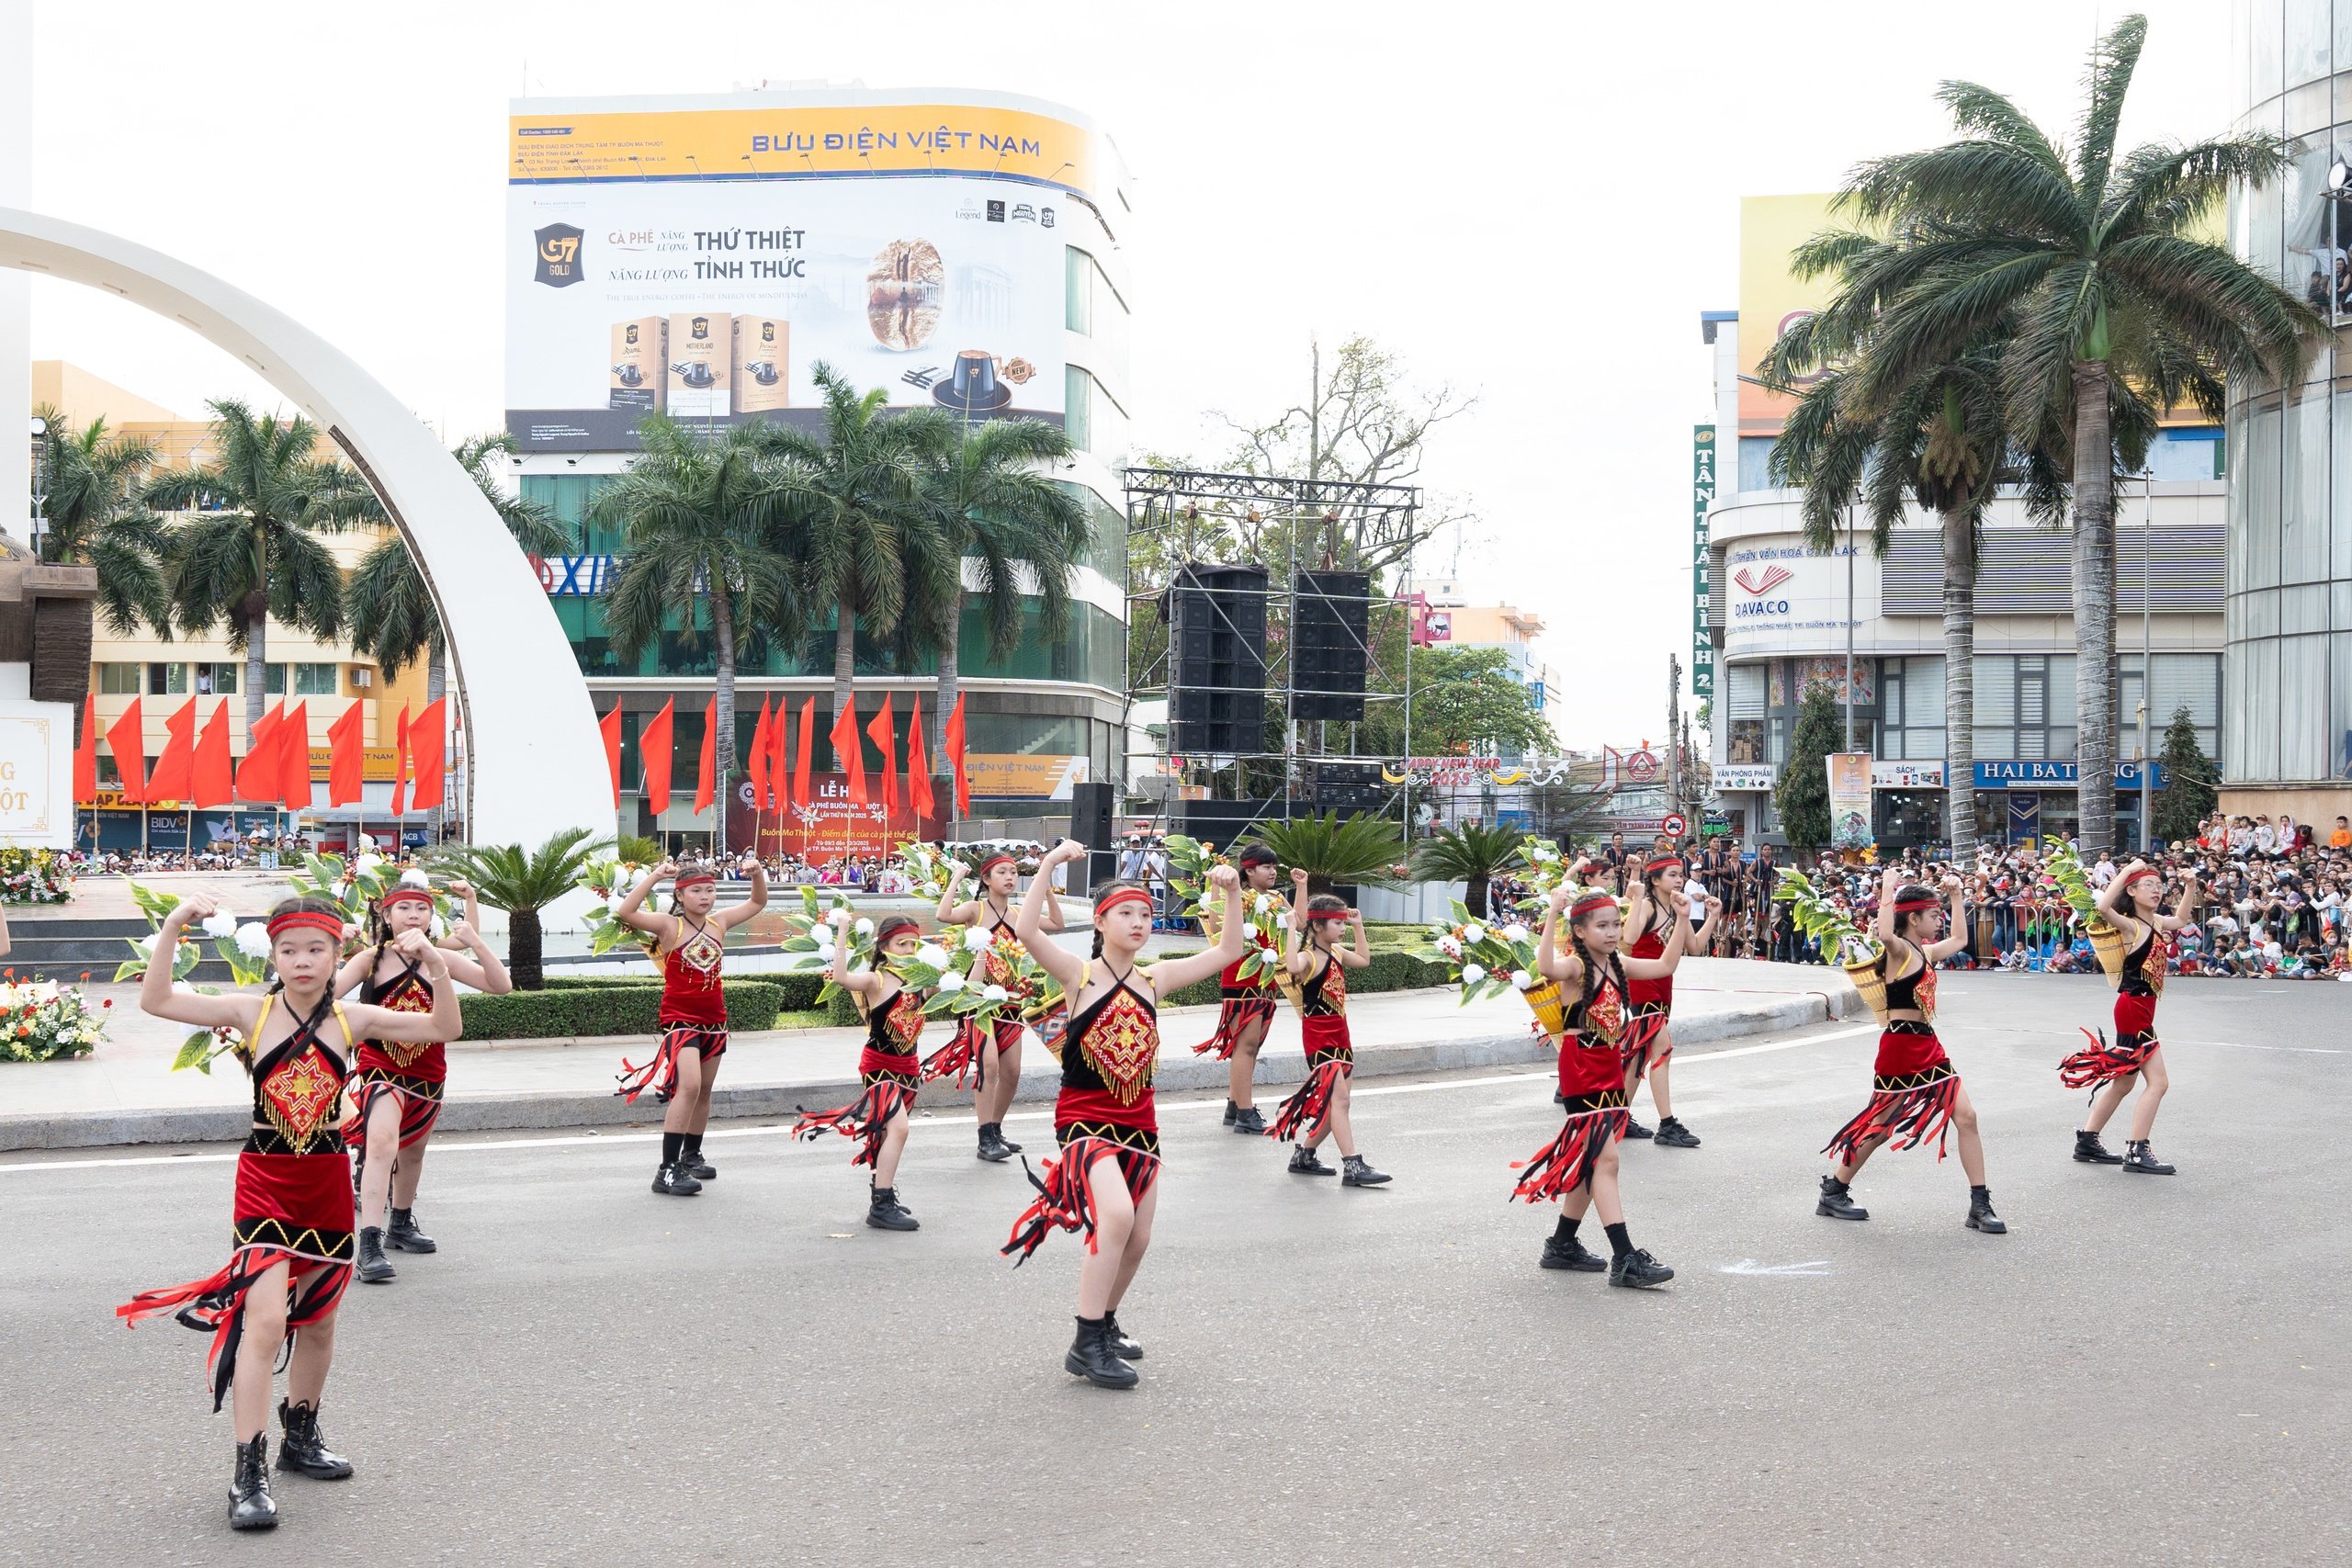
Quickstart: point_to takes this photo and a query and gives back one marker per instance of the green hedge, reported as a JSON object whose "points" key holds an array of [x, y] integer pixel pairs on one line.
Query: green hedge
{"points": [[1387, 972], [797, 991], [605, 1007]]}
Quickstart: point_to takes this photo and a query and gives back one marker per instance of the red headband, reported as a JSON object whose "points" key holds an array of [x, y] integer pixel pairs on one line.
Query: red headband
{"points": [[1912, 906], [2145, 871], [1588, 903], [313, 920], [688, 878], [991, 863], [407, 891], [1660, 863], [1124, 896]]}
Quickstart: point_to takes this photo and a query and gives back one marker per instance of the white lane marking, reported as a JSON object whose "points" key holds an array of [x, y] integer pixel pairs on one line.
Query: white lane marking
{"points": [[1749, 1265], [577, 1140]]}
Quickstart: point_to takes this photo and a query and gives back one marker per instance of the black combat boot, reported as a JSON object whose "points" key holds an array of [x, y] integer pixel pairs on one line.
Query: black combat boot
{"points": [[2090, 1151], [1090, 1358], [1360, 1174], [885, 1213], [303, 1447], [1980, 1212], [1303, 1162], [2139, 1157], [1120, 1345], [374, 1267], [993, 1148], [405, 1237], [1231, 1110], [1248, 1123], [1837, 1202], [250, 1508]]}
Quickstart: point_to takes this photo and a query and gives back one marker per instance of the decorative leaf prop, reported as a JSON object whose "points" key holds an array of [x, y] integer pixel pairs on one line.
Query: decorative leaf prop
{"points": [[1822, 920], [245, 948], [2065, 869], [1485, 958], [602, 880]]}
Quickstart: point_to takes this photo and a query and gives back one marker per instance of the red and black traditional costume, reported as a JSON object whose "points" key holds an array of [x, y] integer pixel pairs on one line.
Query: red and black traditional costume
{"points": [[692, 1015], [964, 1055], [1914, 1088], [1247, 1002], [413, 1076], [293, 1194], [1650, 1003], [1592, 1087], [1330, 1055], [889, 1072], [2138, 984], [1104, 1111]]}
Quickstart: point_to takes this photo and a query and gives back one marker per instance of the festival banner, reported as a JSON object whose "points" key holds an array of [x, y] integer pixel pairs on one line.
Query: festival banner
{"points": [[1849, 799], [828, 827]]}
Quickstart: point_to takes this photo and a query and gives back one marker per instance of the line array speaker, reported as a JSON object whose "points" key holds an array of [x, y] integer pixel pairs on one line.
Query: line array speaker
{"points": [[1217, 655], [1334, 627]]}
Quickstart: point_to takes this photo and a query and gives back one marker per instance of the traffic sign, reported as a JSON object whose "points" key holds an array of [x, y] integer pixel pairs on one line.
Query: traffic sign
{"points": [[1675, 824]]}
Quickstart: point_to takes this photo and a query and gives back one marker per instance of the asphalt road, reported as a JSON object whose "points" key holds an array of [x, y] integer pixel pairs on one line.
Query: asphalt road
{"points": [[2146, 1371]]}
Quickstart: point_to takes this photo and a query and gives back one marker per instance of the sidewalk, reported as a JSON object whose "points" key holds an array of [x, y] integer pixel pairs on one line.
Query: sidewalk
{"points": [[126, 1092]]}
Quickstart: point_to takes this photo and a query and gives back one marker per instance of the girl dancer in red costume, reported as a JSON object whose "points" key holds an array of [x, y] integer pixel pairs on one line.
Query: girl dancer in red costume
{"points": [[994, 1051], [396, 1093], [1248, 1015], [291, 1240], [688, 945], [2133, 904], [1916, 1094], [889, 1070], [1318, 973], [1580, 1168], [1105, 1185], [1649, 1032]]}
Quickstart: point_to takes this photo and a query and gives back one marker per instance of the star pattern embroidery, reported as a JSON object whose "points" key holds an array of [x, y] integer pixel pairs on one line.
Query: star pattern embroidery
{"points": [[700, 952], [1925, 993], [1605, 1014], [300, 1096], [1335, 988], [904, 1021], [2153, 967], [997, 962], [1122, 1044], [412, 998]]}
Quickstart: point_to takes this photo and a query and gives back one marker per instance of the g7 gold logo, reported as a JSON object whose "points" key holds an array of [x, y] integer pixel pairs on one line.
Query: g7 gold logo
{"points": [[560, 251]]}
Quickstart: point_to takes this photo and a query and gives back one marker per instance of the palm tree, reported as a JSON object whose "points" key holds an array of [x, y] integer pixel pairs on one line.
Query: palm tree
{"points": [[701, 518], [522, 882], [995, 507], [1939, 441], [1472, 854], [2093, 260], [255, 550], [91, 516], [858, 525], [1368, 850]]}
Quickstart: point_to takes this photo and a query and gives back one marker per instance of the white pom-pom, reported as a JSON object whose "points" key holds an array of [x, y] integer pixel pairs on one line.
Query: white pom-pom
{"points": [[253, 939], [1516, 933], [220, 925], [974, 939], [369, 862], [1473, 973], [1449, 947], [932, 954], [1265, 903], [1522, 980], [438, 927], [995, 993], [951, 983], [1474, 934], [414, 878], [865, 927]]}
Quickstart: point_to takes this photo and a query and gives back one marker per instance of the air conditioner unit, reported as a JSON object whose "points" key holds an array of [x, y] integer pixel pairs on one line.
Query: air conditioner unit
{"points": [[363, 679]]}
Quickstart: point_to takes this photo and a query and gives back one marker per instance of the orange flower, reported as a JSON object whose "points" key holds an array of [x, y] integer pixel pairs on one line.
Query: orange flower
{"points": [[23, 1029]]}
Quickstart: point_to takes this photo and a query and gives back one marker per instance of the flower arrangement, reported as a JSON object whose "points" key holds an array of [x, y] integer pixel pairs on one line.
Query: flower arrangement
{"points": [[41, 1021], [1189, 861], [243, 946], [957, 974], [354, 885], [604, 880], [34, 876], [1489, 958]]}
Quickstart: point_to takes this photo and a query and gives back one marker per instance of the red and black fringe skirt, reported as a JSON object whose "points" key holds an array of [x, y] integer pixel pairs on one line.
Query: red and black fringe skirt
{"points": [[290, 1208], [1560, 1167], [867, 1118], [1243, 1005], [1906, 1108], [1066, 1193], [660, 1074], [964, 1056], [1330, 1056], [2135, 1041], [419, 1101], [1645, 1030]]}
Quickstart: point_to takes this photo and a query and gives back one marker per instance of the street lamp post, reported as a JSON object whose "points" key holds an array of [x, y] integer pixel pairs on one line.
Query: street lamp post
{"points": [[2147, 663]]}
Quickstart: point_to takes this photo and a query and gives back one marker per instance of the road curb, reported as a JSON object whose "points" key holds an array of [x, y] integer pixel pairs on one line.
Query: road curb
{"points": [[1281, 1064]]}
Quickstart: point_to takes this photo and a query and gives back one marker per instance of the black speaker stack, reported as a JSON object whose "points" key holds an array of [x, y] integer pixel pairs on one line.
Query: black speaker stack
{"points": [[1334, 617], [1091, 806], [1217, 656], [1347, 788]]}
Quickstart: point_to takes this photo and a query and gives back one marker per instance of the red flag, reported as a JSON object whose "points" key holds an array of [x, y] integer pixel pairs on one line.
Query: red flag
{"points": [[126, 741], [848, 755], [653, 757], [86, 755], [399, 764], [800, 791], [919, 792], [755, 762], [211, 784], [709, 755], [175, 774], [779, 757], [346, 757], [427, 745], [257, 776], [883, 736], [610, 727], [951, 746], [294, 759]]}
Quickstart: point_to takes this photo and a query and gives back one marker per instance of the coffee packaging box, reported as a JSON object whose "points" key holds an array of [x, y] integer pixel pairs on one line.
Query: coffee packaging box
{"points": [[762, 373], [638, 372], [702, 354]]}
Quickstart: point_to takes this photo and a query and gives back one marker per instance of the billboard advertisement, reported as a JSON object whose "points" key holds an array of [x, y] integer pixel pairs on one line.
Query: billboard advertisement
{"points": [[700, 262], [832, 827], [1849, 799], [1771, 299]]}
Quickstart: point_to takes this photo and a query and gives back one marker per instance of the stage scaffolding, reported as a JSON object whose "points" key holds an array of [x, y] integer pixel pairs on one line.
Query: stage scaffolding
{"points": [[1177, 518]]}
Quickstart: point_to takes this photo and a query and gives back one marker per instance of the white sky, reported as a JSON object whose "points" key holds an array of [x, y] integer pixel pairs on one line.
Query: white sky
{"points": [[1533, 202]]}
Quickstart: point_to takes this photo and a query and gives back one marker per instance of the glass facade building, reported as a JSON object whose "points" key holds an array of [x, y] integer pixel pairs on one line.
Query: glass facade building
{"points": [[2289, 559]]}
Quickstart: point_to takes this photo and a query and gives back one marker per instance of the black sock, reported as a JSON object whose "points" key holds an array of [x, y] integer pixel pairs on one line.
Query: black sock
{"points": [[670, 1144], [1565, 1230], [691, 1144], [1620, 1244]]}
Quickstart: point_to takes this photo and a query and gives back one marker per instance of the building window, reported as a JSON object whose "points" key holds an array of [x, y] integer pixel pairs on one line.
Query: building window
{"points": [[308, 680], [1077, 271], [119, 680], [1078, 421]]}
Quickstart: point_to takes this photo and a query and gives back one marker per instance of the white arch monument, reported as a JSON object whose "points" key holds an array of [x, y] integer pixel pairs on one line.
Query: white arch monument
{"points": [[537, 763]]}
